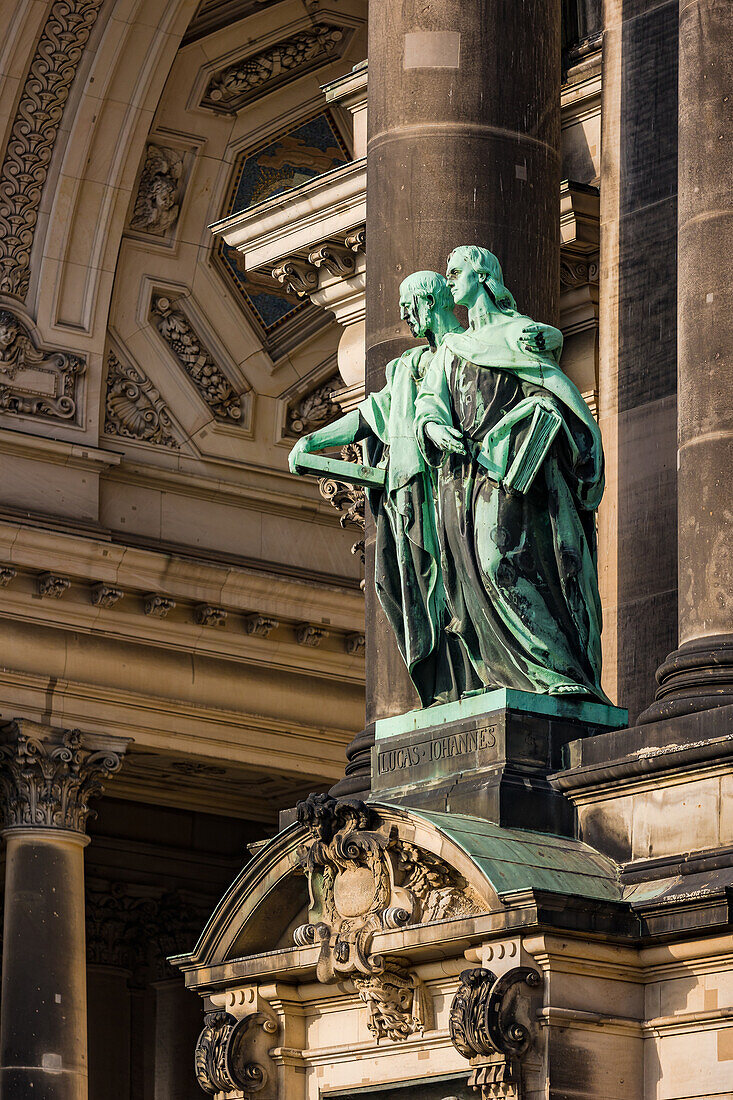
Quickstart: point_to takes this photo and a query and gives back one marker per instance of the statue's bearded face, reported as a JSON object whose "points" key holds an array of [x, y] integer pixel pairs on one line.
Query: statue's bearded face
{"points": [[417, 311], [464, 281]]}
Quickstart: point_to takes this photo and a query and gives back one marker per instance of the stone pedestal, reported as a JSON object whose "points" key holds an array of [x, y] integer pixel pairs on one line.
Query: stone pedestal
{"points": [[47, 778], [699, 674], [488, 755]]}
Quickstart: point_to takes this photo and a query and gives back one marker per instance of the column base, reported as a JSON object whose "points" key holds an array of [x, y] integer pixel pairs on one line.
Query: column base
{"points": [[357, 780], [698, 676]]}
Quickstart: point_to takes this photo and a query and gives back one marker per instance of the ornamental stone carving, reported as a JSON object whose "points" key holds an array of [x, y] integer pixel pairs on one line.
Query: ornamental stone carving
{"points": [[297, 276], [33, 134], [332, 258], [356, 241], [309, 635], [133, 407], [52, 586], [235, 1054], [229, 90], [348, 500], [7, 574], [48, 776], [315, 409], [492, 1026], [157, 204], [36, 381], [205, 614], [260, 625], [198, 363], [362, 880], [354, 644], [158, 606], [106, 595]]}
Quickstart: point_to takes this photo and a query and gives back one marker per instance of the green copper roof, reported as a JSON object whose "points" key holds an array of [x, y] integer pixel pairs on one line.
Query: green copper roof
{"points": [[520, 859]]}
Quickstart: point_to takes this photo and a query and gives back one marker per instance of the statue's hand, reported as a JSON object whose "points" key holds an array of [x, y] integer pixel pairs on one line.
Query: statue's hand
{"points": [[534, 340], [302, 447], [445, 439]]}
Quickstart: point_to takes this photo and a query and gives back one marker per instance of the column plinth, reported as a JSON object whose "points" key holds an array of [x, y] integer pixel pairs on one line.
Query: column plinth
{"points": [[47, 778]]}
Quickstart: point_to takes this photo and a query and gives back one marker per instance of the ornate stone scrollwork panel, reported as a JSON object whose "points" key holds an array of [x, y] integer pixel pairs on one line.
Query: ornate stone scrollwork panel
{"points": [[133, 407], [363, 879], [36, 381], [33, 135], [235, 1054]]}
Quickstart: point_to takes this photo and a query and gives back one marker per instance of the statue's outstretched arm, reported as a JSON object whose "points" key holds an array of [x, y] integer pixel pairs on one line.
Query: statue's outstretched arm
{"points": [[347, 429]]}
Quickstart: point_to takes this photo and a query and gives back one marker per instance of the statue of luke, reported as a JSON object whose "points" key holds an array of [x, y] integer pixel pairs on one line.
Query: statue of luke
{"points": [[407, 560]]}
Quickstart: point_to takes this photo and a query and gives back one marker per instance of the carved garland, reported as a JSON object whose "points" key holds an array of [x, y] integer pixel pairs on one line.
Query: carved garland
{"points": [[233, 87], [33, 135], [198, 363]]}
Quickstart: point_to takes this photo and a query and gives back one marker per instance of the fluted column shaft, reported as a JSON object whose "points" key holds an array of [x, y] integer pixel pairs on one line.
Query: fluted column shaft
{"points": [[699, 674], [47, 778]]}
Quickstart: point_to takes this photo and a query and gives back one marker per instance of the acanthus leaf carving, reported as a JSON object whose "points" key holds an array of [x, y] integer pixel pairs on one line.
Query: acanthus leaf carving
{"points": [[52, 585], [335, 260], [260, 625], [48, 776], [198, 363], [315, 409], [33, 135], [206, 614], [106, 595], [158, 606], [297, 276], [133, 407], [233, 87], [157, 204], [36, 381], [235, 1054], [309, 635], [397, 1000], [348, 500]]}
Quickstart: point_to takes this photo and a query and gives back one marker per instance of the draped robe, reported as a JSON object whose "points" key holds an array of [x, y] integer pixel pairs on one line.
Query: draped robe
{"points": [[519, 569]]}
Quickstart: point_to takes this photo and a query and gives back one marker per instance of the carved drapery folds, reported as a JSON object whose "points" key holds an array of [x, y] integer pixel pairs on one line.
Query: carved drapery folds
{"points": [[363, 879], [33, 134], [198, 363], [157, 204], [490, 1024], [133, 407], [36, 381], [49, 776], [231, 88], [235, 1054]]}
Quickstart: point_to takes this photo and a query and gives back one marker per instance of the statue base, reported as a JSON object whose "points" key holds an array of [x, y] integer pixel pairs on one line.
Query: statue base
{"points": [[487, 755]]}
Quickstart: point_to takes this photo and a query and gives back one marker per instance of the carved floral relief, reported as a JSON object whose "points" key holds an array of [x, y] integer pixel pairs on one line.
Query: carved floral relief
{"points": [[36, 381], [133, 407]]}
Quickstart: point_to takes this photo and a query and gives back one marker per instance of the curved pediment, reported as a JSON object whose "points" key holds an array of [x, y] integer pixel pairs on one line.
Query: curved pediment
{"points": [[348, 870]]}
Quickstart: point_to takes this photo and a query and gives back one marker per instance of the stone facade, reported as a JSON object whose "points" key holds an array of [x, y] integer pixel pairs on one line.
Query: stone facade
{"points": [[185, 652]]}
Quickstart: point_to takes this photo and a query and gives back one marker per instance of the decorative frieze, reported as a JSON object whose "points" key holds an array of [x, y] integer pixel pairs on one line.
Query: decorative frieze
{"points": [[52, 585], [260, 625], [158, 606], [49, 776], [254, 76], [235, 1054], [309, 635], [315, 409], [362, 879], [133, 407], [157, 204], [106, 595], [33, 134], [36, 381], [205, 614], [7, 574], [198, 363]]}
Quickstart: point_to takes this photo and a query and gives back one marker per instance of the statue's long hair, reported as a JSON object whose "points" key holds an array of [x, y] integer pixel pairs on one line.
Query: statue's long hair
{"points": [[485, 263]]}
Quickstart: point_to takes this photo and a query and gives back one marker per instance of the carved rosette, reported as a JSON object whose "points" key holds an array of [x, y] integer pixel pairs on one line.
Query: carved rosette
{"points": [[362, 880], [49, 776], [491, 1026], [235, 1054]]}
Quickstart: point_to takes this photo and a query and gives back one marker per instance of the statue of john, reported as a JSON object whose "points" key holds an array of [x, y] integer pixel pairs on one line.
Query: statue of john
{"points": [[519, 468], [407, 566]]}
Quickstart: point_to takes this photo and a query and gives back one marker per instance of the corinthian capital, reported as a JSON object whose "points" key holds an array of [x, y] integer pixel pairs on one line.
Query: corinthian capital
{"points": [[48, 776]]}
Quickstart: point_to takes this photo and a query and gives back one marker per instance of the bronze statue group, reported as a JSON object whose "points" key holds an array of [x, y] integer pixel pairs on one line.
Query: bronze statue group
{"points": [[485, 528]]}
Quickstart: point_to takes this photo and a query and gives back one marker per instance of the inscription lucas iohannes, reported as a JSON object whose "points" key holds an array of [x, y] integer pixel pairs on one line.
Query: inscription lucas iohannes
{"points": [[435, 748]]}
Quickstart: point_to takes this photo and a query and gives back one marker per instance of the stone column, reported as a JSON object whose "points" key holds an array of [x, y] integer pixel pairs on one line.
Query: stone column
{"points": [[177, 1026], [699, 674], [463, 148], [47, 777]]}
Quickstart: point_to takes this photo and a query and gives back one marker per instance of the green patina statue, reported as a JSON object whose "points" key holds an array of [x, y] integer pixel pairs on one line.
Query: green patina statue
{"points": [[485, 547], [407, 556]]}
